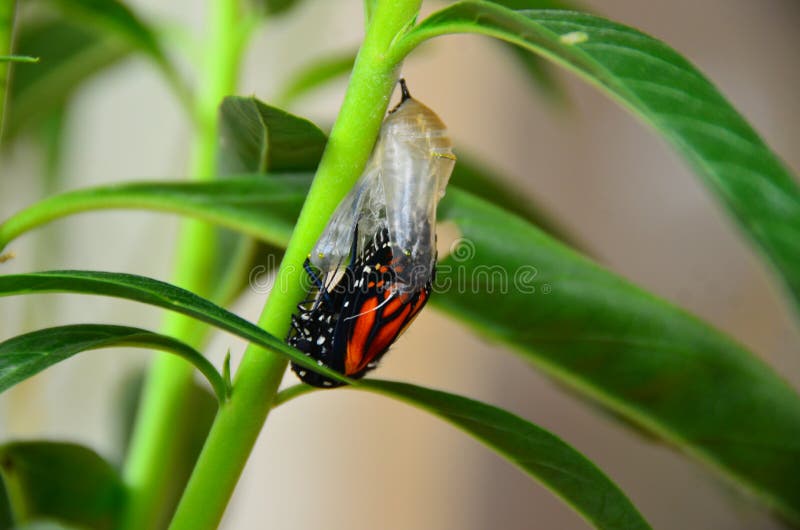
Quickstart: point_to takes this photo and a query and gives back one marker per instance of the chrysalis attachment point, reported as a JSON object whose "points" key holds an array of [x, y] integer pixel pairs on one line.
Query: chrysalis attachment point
{"points": [[405, 94]]}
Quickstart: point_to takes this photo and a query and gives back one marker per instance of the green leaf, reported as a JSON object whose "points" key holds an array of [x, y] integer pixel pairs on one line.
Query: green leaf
{"points": [[316, 74], [668, 93], [61, 481], [236, 203], [18, 59], [539, 453], [26, 355], [157, 293], [257, 206], [70, 56], [265, 208], [644, 359], [256, 138]]}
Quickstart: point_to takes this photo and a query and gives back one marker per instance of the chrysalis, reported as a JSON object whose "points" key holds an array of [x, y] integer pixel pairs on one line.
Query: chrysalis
{"points": [[374, 264], [399, 190]]}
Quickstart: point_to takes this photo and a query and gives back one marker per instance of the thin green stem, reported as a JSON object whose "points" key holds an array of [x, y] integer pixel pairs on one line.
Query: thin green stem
{"points": [[7, 13], [294, 391], [155, 443], [239, 422]]}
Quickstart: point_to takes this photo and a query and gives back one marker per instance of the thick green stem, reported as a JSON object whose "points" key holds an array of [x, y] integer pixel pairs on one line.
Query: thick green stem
{"points": [[155, 442], [7, 12], [239, 422]]}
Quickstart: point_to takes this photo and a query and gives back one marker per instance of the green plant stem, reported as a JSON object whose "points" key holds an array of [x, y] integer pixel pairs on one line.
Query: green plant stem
{"points": [[7, 13], [239, 422], [155, 442], [294, 391]]}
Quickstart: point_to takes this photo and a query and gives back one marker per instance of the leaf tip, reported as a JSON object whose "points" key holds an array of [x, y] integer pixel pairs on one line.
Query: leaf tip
{"points": [[226, 374]]}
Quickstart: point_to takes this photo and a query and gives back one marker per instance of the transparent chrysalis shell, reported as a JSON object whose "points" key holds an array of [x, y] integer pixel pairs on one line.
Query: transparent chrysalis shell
{"points": [[399, 190]]}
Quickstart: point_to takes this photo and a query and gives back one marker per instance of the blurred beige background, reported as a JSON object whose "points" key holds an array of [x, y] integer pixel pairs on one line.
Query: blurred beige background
{"points": [[364, 462]]}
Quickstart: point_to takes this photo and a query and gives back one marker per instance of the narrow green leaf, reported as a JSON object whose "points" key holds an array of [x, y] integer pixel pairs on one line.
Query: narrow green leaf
{"points": [[70, 56], [257, 206], [60, 481], [539, 453], [264, 208], [18, 59], [157, 293], [256, 138], [667, 92], [26, 355], [294, 391], [226, 370], [316, 74], [649, 362]]}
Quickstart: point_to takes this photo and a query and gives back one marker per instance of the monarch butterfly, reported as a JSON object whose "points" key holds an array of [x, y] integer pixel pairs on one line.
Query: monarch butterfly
{"points": [[384, 230], [348, 324]]}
